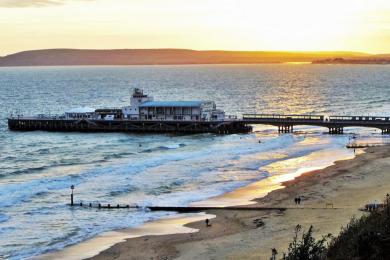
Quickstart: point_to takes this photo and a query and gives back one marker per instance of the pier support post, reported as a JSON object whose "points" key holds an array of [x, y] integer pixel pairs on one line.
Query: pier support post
{"points": [[336, 130], [285, 128]]}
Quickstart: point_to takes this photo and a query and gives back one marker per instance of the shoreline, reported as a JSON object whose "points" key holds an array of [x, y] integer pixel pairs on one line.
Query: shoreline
{"points": [[106, 240], [249, 195], [229, 227]]}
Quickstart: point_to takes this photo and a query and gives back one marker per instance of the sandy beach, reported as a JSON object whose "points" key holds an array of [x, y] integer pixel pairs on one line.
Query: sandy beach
{"points": [[348, 185]]}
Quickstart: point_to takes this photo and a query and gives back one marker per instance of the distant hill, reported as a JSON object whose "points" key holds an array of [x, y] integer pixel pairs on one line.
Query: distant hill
{"points": [[370, 60], [68, 57]]}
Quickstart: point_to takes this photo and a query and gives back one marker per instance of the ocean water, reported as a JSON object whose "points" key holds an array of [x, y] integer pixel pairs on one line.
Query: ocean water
{"points": [[37, 168]]}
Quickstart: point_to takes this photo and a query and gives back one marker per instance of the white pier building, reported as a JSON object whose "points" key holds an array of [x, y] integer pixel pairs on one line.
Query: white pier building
{"points": [[143, 107]]}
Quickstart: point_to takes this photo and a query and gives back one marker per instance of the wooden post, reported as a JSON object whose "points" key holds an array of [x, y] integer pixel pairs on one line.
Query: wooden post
{"points": [[71, 195]]}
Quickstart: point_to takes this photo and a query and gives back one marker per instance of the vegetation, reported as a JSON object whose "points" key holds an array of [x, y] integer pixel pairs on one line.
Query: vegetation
{"points": [[364, 238], [307, 247]]}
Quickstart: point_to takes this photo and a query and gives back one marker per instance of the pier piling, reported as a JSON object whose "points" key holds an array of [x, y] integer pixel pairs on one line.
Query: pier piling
{"points": [[385, 131], [285, 129], [336, 130]]}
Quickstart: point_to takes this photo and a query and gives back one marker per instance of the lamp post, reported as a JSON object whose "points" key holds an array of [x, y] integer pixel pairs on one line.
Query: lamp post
{"points": [[71, 195]]}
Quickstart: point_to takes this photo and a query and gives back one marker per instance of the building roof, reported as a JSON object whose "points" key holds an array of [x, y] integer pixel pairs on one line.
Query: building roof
{"points": [[171, 104], [81, 110]]}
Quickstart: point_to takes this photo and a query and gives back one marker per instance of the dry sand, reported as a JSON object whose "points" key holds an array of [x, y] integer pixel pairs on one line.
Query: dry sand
{"points": [[348, 185]]}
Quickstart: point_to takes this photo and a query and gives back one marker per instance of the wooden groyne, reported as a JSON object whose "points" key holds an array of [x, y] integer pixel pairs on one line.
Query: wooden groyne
{"points": [[179, 209], [362, 145], [104, 206], [190, 209]]}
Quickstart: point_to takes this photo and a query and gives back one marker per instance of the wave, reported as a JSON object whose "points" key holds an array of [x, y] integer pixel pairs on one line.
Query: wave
{"points": [[110, 176], [25, 171], [123, 191], [164, 147], [117, 155], [3, 218], [166, 188]]}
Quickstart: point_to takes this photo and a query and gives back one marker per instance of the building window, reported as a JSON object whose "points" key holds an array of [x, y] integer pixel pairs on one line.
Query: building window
{"points": [[186, 111]]}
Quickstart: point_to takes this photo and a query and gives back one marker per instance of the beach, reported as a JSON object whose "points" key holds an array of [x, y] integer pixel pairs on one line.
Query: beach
{"points": [[346, 186]]}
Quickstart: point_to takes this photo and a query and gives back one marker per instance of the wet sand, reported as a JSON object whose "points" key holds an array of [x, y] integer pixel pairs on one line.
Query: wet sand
{"points": [[105, 240], [348, 185]]}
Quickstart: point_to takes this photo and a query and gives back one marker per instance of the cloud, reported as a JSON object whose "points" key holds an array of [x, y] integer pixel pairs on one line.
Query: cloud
{"points": [[32, 3]]}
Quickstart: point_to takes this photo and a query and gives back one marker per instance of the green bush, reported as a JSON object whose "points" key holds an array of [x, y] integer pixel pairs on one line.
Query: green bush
{"points": [[364, 238]]}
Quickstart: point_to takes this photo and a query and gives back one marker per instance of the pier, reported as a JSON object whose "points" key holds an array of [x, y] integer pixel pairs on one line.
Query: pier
{"points": [[285, 124], [127, 125], [145, 115], [335, 124]]}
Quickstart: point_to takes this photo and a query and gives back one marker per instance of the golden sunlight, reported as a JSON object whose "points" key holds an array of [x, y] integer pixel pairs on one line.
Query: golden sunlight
{"points": [[303, 25]]}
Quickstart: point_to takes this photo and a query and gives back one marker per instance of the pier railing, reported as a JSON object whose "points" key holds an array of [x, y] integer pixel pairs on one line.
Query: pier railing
{"points": [[283, 117]]}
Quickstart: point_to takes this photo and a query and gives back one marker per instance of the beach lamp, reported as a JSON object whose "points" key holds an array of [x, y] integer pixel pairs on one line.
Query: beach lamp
{"points": [[71, 195]]}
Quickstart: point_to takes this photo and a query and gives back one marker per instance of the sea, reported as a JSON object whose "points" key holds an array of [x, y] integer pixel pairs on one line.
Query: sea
{"points": [[37, 168]]}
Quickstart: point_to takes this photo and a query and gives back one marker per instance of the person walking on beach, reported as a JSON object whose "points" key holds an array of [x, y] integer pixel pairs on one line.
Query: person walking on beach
{"points": [[274, 253], [208, 222]]}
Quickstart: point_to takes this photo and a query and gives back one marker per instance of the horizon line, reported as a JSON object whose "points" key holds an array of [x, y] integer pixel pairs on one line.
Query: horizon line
{"points": [[199, 50]]}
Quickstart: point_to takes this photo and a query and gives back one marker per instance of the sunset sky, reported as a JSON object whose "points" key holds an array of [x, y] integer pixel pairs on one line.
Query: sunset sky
{"points": [[303, 25]]}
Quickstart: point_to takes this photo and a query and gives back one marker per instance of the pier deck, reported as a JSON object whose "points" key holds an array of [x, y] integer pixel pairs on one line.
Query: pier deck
{"points": [[122, 125], [285, 124], [335, 124]]}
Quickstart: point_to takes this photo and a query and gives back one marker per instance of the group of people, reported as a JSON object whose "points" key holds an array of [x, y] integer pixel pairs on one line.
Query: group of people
{"points": [[297, 201]]}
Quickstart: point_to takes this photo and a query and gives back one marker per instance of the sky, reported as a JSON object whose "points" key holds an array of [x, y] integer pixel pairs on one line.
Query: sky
{"points": [[285, 25]]}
